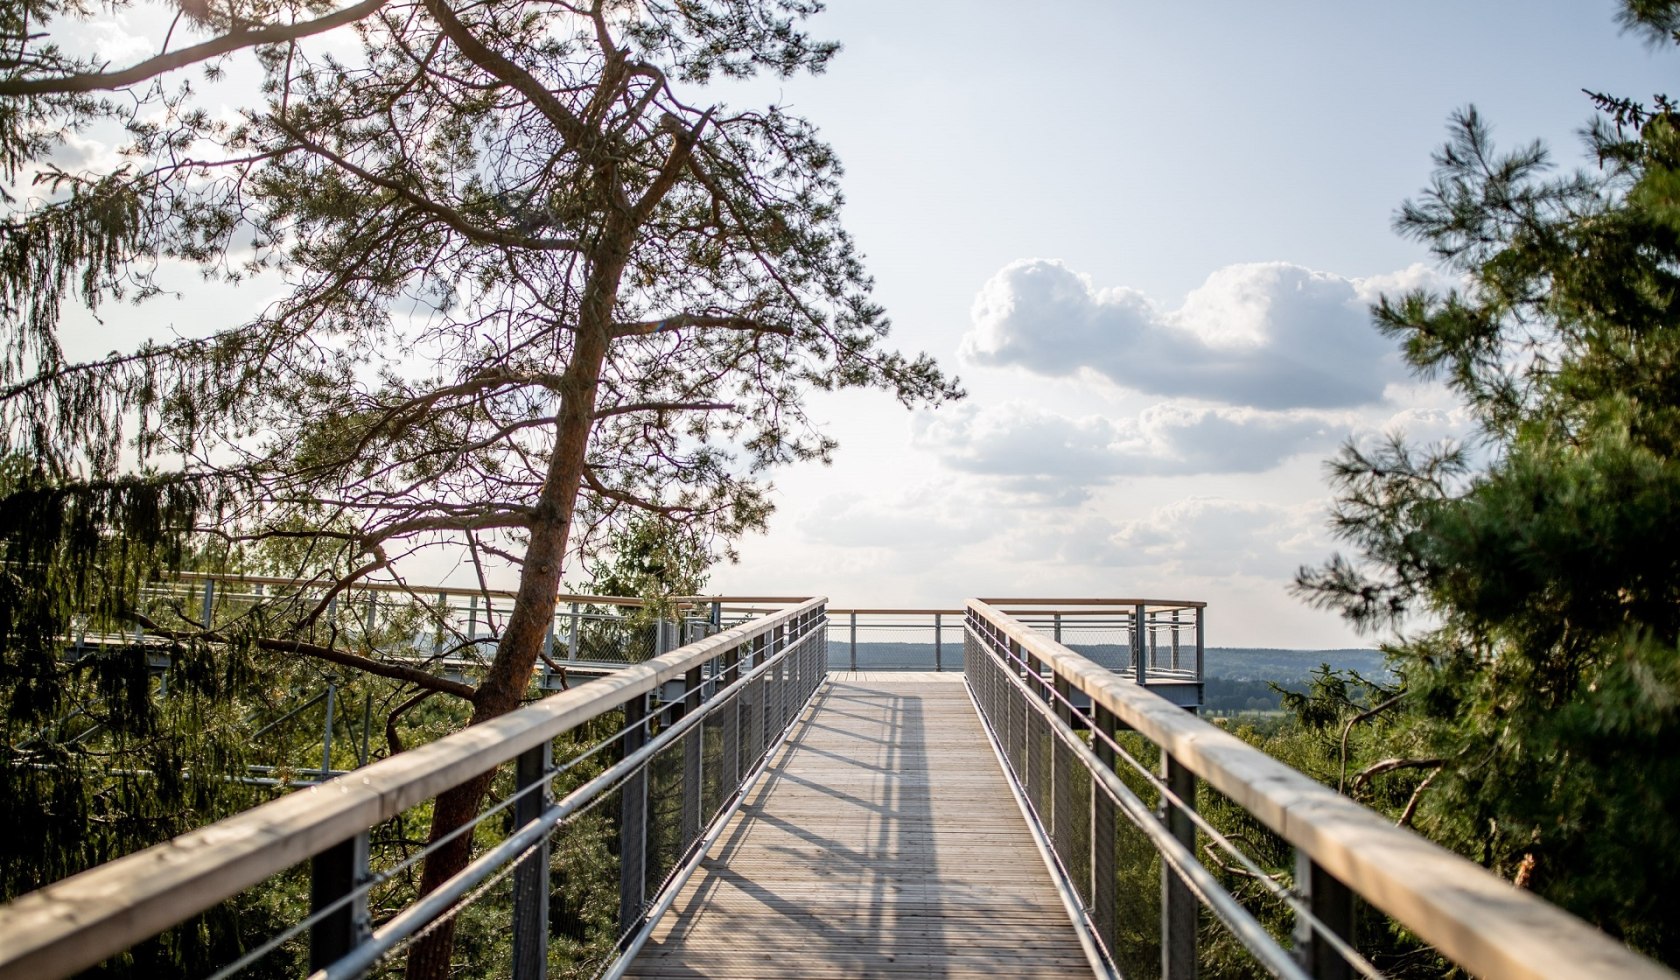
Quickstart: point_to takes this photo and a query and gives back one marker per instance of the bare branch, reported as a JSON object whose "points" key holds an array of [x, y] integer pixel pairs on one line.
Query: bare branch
{"points": [[1391, 765]]}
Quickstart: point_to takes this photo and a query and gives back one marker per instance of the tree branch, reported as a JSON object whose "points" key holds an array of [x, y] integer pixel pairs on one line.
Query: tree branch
{"points": [[1391, 765], [355, 661], [1341, 779], [393, 741], [633, 407], [215, 47], [449, 216], [645, 327]]}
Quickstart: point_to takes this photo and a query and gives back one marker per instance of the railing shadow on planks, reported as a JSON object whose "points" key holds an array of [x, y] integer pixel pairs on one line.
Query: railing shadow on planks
{"points": [[662, 753]]}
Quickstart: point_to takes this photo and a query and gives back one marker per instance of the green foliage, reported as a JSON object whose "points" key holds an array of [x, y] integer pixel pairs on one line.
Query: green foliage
{"points": [[1543, 560], [654, 560]]}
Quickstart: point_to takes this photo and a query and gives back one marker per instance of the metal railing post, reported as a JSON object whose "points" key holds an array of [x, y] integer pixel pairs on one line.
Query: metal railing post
{"points": [[1201, 615], [854, 642], [530, 879], [572, 637], [1103, 879], [1175, 639], [326, 731], [1331, 903], [334, 874], [693, 787], [1061, 773], [1139, 671], [209, 603], [1178, 904], [632, 833], [938, 644], [732, 723]]}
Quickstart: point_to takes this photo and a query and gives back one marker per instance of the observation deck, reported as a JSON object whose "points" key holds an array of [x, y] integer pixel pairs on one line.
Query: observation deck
{"points": [[1051, 806]]}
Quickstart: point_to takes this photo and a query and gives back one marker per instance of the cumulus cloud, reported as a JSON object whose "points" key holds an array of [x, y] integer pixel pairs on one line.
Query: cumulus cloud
{"points": [[1058, 458], [1200, 536], [1269, 334]]}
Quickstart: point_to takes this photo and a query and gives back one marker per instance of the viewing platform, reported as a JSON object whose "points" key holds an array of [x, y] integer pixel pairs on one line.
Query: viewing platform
{"points": [[1047, 804], [883, 839]]}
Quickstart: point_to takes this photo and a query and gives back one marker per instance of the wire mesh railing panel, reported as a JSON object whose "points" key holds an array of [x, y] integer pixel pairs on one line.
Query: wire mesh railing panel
{"points": [[890, 640], [1177, 879], [579, 842], [1108, 817]]}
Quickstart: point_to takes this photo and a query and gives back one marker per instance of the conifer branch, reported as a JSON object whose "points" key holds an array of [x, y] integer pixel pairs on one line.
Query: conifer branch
{"points": [[213, 48]]}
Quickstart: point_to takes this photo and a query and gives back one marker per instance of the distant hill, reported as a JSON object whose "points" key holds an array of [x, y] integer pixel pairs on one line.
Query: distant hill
{"points": [[1289, 667], [1262, 664]]}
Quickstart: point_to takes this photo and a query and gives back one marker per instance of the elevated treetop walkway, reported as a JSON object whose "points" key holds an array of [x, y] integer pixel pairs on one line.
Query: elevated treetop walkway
{"points": [[760, 815]]}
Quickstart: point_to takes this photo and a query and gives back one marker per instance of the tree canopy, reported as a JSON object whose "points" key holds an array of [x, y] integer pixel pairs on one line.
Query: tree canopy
{"points": [[536, 287], [1532, 572]]}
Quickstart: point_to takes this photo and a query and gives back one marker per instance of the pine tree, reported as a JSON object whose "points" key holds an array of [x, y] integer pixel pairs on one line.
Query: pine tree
{"points": [[1532, 573], [532, 291]]}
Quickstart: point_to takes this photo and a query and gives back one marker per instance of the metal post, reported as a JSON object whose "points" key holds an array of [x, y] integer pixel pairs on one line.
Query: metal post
{"points": [[334, 874], [326, 732], [209, 602], [854, 642], [443, 623], [1056, 626], [938, 643], [367, 729], [1175, 639], [632, 834], [1103, 879], [1201, 615], [548, 648], [692, 785], [572, 637], [1138, 669], [1332, 903], [472, 619], [1178, 905], [372, 615], [732, 725], [530, 879]]}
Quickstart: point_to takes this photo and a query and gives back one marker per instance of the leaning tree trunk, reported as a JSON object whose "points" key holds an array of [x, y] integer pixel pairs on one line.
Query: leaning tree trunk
{"points": [[509, 676]]}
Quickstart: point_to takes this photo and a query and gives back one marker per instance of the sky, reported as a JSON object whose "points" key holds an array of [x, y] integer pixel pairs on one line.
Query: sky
{"points": [[1145, 237]]}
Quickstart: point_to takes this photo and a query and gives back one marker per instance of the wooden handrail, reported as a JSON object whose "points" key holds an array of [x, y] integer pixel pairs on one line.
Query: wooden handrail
{"points": [[77, 922], [1473, 917]]}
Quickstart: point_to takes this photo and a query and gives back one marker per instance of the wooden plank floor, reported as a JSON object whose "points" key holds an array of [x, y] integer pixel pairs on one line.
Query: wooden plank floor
{"points": [[882, 841]]}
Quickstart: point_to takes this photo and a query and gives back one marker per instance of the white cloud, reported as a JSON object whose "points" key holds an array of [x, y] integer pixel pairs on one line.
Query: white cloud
{"points": [[1058, 458], [1269, 334], [1197, 536]]}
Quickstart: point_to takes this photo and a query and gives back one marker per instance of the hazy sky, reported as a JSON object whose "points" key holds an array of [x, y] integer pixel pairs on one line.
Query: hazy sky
{"points": [[1144, 235]]}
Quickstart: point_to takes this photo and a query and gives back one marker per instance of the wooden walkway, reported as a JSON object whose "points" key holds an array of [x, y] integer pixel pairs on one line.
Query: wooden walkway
{"points": [[882, 841]]}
